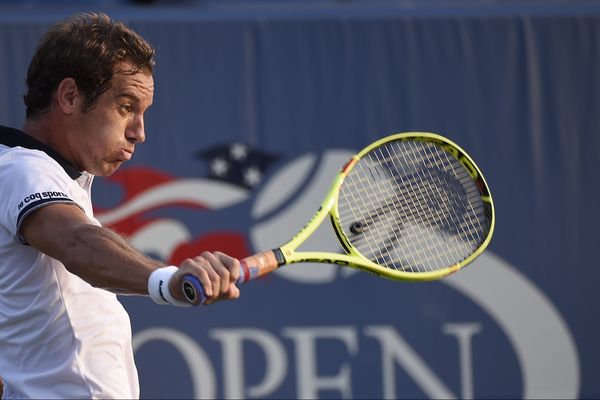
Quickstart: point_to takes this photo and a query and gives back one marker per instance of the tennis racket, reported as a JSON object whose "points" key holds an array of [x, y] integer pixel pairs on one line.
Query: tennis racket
{"points": [[411, 206]]}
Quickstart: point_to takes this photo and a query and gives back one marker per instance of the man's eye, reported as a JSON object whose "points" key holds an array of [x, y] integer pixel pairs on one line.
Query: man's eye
{"points": [[126, 107]]}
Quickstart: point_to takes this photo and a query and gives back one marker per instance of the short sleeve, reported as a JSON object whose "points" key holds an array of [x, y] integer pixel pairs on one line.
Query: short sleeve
{"points": [[29, 180]]}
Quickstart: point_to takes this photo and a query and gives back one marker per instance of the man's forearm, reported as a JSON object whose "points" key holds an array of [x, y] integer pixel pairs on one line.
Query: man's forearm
{"points": [[105, 259]]}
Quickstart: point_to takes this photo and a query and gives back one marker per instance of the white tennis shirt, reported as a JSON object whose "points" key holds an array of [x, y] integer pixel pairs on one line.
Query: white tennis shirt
{"points": [[59, 336]]}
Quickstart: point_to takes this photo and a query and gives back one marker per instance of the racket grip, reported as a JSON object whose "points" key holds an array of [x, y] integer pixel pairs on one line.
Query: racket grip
{"points": [[250, 268], [192, 289], [260, 264]]}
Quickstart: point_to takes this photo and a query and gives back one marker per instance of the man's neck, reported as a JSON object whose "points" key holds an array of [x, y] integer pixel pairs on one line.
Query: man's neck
{"points": [[38, 130]]}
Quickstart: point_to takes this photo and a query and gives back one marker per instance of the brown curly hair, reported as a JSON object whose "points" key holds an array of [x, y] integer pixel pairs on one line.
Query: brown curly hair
{"points": [[86, 47]]}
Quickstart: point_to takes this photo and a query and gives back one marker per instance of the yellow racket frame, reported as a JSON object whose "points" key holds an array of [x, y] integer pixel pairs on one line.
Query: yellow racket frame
{"points": [[266, 262], [353, 258]]}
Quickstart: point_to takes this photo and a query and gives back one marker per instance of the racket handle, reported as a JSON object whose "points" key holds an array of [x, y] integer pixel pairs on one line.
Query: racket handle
{"points": [[250, 268], [260, 264], [192, 289]]}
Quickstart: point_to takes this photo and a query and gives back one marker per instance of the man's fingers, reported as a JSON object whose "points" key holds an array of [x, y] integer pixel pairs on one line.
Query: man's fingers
{"points": [[220, 282], [217, 273], [233, 292], [232, 265], [204, 277]]}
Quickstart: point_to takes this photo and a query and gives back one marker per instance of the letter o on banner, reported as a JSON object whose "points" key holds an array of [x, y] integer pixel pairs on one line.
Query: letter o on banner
{"points": [[198, 363]]}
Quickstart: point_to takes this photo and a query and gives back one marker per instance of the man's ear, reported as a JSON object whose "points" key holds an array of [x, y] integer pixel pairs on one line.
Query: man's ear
{"points": [[67, 96]]}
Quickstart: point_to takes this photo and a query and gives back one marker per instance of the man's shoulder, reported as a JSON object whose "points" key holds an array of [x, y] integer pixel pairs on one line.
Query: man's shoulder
{"points": [[38, 152], [17, 146], [14, 159]]}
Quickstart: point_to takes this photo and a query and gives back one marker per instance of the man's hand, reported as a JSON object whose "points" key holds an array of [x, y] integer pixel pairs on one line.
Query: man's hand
{"points": [[217, 272]]}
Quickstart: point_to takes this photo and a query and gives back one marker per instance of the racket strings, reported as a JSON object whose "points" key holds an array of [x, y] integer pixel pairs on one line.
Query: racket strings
{"points": [[382, 240], [440, 196], [472, 196], [409, 210], [433, 193], [468, 228], [418, 207]]}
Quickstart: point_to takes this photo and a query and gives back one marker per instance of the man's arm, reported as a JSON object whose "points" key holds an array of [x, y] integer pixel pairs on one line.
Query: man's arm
{"points": [[105, 259]]}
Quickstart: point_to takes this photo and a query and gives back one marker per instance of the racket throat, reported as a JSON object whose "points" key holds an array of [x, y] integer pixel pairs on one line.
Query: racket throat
{"points": [[279, 256]]}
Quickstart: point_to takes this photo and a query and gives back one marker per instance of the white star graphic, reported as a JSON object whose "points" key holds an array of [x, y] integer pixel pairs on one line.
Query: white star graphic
{"points": [[219, 166], [238, 151], [252, 176]]}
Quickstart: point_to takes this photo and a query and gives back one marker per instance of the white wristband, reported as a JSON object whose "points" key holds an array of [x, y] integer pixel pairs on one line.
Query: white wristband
{"points": [[158, 287]]}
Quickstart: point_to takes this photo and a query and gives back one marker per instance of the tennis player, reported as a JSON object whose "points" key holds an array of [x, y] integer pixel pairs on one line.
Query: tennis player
{"points": [[63, 334]]}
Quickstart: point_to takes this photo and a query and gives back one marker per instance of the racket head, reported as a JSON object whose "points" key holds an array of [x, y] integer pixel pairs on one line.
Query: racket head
{"points": [[412, 206]]}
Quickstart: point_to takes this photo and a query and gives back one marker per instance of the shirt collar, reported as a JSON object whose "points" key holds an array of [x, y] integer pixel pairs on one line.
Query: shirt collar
{"points": [[13, 137]]}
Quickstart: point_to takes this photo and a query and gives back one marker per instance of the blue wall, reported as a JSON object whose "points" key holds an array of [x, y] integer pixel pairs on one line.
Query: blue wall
{"points": [[302, 85]]}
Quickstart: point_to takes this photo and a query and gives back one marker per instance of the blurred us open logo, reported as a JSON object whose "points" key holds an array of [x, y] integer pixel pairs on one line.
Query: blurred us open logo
{"points": [[150, 214], [536, 330]]}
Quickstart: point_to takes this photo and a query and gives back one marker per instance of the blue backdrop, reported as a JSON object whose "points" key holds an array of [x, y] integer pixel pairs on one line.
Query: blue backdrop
{"points": [[258, 104]]}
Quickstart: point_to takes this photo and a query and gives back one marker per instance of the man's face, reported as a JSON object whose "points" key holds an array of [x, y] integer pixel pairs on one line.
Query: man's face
{"points": [[105, 136]]}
